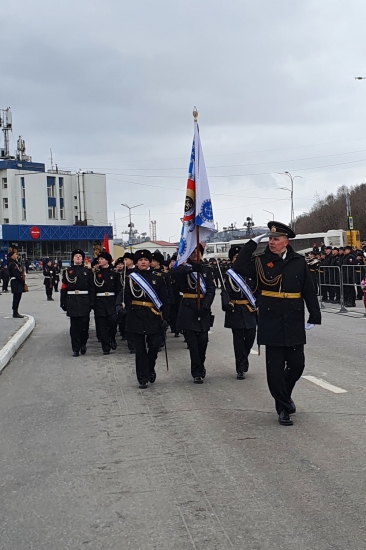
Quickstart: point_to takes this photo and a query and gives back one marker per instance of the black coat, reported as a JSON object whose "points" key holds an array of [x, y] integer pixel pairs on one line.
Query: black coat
{"points": [[142, 319], [281, 321], [76, 277], [105, 280], [48, 274], [240, 315], [348, 268], [16, 283], [189, 318]]}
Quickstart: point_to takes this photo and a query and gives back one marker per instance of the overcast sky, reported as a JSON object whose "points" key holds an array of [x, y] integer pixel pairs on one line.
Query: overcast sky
{"points": [[110, 86]]}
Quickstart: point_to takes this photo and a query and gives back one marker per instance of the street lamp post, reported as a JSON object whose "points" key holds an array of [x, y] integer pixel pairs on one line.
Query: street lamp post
{"points": [[292, 194], [269, 213], [130, 224]]}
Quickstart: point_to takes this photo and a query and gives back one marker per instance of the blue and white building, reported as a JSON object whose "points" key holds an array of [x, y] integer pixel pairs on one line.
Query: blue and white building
{"points": [[48, 213]]}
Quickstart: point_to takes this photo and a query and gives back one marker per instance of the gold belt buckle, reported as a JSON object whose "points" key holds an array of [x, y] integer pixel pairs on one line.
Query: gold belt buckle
{"points": [[143, 303], [76, 292], [106, 294], [285, 295]]}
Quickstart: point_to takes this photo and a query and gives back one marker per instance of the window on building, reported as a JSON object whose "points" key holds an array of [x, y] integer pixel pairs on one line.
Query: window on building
{"points": [[62, 213], [6, 220], [52, 212], [4, 183], [24, 213], [5, 203], [61, 187], [51, 186], [22, 185]]}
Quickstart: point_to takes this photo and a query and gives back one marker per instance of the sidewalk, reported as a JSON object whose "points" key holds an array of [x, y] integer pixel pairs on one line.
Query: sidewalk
{"points": [[13, 332]]}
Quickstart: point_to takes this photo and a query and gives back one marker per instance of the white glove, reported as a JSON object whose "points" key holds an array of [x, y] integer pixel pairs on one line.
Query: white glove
{"points": [[309, 326], [259, 238]]}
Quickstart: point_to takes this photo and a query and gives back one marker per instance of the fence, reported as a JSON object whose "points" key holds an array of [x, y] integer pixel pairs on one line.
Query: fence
{"points": [[339, 284]]}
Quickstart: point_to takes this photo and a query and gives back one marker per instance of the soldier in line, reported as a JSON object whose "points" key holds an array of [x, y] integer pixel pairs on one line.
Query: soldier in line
{"points": [[147, 304], [174, 306], [240, 314], [284, 284], [105, 289], [195, 322], [48, 273], [56, 276], [125, 266], [157, 265], [75, 299], [17, 280]]}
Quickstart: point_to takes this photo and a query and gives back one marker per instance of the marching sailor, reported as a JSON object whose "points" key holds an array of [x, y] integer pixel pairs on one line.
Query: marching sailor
{"points": [[75, 299], [284, 283], [195, 322], [105, 289], [146, 299], [239, 305]]}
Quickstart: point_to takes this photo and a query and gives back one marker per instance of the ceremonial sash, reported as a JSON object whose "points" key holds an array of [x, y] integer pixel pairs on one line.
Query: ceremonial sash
{"points": [[202, 282], [242, 285], [147, 288]]}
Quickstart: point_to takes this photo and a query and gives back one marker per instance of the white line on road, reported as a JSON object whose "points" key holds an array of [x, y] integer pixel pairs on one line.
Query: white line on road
{"points": [[253, 352], [324, 384]]}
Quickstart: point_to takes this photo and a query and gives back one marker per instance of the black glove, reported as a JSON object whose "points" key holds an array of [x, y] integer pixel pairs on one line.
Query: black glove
{"points": [[63, 307], [228, 307], [165, 324], [197, 268]]}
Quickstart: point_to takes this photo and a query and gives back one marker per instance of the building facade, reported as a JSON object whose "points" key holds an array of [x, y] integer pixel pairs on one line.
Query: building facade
{"points": [[49, 213]]}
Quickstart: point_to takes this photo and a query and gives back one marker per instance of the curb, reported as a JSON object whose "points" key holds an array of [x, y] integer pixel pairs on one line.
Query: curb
{"points": [[11, 347]]}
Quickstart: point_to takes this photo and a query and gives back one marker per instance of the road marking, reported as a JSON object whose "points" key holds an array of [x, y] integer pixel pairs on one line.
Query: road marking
{"points": [[253, 352], [324, 384]]}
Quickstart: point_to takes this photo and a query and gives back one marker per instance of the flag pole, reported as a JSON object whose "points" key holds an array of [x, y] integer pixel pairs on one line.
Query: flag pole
{"points": [[195, 117]]}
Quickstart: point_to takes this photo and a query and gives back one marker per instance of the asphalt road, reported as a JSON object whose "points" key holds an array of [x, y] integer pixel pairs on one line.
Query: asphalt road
{"points": [[90, 461]]}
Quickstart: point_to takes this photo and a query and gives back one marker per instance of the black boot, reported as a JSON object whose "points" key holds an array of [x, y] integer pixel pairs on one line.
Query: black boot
{"points": [[17, 315]]}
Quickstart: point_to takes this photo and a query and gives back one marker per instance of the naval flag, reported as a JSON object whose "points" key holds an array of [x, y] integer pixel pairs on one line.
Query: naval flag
{"points": [[198, 205]]}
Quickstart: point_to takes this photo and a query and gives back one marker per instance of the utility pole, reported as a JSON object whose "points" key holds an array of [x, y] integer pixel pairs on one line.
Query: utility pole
{"points": [[130, 225]]}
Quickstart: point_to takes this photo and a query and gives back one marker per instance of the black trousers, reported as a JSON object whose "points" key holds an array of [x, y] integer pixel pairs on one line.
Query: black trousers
{"points": [[79, 332], [197, 344], [285, 366], [106, 330], [243, 340], [49, 290], [349, 294], [5, 285], [146, 352], [16, 301]]}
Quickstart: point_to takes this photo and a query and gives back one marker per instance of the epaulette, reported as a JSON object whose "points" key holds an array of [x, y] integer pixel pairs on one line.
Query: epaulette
{"points": [[157, 273]]}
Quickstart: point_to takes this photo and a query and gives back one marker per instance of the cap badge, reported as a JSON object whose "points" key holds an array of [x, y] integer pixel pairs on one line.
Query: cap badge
{"points": [[273, 229]]}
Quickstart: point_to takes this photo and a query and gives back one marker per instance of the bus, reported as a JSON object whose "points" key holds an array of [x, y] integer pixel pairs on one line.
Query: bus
{"points": [[301, 243]]}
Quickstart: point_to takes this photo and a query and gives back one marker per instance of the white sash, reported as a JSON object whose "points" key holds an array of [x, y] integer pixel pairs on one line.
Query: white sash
{"points": [[147, 288], [242, 285], [202, 282]]}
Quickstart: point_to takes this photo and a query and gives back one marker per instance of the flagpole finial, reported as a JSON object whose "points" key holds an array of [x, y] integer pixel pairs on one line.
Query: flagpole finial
{"points": [[195, 114]]}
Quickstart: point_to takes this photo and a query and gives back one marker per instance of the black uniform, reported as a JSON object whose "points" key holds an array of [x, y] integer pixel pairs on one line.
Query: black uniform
{"points": [[56, 277], [145, 322], [5, 277], [281, 324], [48, 273], [122, 317], [16, 284], [242, 320], [75, 299], [105, 289], [195, 323], [348, 273]]}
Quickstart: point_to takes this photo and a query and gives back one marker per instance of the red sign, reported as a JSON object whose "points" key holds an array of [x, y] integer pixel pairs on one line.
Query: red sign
{"points": [[35, 232]]}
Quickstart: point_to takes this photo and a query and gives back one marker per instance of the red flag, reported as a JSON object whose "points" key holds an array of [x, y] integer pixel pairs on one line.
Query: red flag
{"points": [[106, 243]]}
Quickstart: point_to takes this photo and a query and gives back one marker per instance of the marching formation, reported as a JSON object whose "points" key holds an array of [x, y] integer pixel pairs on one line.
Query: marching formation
{"points": [[142, 296]]}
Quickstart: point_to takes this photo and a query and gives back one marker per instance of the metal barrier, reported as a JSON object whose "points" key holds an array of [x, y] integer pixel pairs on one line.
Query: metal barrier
{"points": [[340, 285]]}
